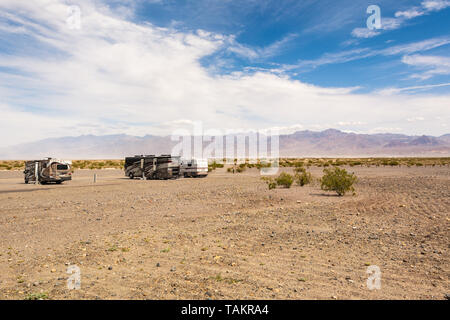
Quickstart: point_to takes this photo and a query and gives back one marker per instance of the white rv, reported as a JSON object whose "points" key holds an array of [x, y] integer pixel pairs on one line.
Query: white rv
{"points": [[194, 168]]}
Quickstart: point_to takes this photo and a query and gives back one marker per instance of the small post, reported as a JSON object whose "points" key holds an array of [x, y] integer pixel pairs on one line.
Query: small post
{"points": [[142, 168], [95, 177], [36, 173]]}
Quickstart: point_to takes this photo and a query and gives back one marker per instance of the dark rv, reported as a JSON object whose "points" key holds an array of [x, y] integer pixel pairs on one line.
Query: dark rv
{"points": [[48, 170], [152, 167]]}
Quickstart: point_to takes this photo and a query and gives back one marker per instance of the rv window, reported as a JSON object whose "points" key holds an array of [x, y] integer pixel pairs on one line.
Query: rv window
{"points": [[62, 167]]}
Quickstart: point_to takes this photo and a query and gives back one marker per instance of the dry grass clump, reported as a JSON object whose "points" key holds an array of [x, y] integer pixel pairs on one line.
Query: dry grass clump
{"points": [[12, 165], [302, 177], [364, 162], [98, 164]]}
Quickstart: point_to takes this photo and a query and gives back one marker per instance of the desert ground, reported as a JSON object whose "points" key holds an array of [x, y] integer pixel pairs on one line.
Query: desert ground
{"points": [[226, 237]]}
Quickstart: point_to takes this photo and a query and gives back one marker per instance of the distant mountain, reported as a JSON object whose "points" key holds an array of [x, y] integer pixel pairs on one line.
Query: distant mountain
{"points": [[335, 143], [328, 143]]}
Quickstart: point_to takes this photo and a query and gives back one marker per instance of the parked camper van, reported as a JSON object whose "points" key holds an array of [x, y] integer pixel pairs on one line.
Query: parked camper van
{"points": [[194, 168], [152, 167], [48, 170]]}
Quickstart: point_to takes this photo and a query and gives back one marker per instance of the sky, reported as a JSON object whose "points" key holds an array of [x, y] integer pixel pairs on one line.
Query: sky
{"points": [[70, 68]]}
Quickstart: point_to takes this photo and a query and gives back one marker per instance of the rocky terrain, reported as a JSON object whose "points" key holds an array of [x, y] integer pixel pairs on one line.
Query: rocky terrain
{"points": [[226, 237]]}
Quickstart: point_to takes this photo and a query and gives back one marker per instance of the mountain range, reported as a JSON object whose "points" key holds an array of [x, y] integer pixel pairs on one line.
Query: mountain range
{"points": [[328, 143]]}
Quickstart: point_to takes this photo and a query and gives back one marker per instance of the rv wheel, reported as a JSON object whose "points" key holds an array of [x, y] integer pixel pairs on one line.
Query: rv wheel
{"points": [[131, 175], [26, 181]]}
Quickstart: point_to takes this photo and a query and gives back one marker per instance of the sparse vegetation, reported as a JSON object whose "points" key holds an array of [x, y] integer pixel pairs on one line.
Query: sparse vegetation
{"points": [[113, 248], [368, 162], [271, 183], [302, 177], [259, 164], [214, 165], [283, 162], [285, 180], [36, 296], [338, 180], [97, 164]]}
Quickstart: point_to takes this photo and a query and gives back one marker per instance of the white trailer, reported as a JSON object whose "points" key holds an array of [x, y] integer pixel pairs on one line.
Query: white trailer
{"points": [[194, 168]]}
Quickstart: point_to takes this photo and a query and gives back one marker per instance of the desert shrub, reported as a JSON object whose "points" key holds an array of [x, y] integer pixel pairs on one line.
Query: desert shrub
{"points": [[339, 163], [214, 165], [302, 177], [36, 296], [298, 164], [263, 164], [240, 169], [285, 180], [338, 180], [18, 164], [271, 183]]}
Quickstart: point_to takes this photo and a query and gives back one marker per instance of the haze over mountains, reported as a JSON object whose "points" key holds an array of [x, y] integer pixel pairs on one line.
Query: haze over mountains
{"points": [[328, 143]]}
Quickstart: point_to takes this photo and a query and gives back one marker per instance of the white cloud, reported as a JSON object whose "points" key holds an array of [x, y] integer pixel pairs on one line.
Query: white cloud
{"points": [[115, 76], [434, 65], [410, 13], [435, 5], [364, 33], [361, 53], [395, 91], [415, 119], [386, 24], [258, 53]]}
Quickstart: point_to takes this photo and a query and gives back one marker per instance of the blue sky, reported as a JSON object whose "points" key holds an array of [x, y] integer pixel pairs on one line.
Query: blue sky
{"points": [[289, 33], [153, 67]]}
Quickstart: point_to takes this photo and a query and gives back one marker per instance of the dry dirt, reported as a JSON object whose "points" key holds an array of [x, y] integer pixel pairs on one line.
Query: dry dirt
{"points": [[226, 237]]}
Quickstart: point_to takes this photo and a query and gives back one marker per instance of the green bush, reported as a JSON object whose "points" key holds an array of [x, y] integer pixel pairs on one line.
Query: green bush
{"points": [[302, 177], [298, 164], [338, 180], [271, 183], [285, 180], [240, 169], [214, 165]]}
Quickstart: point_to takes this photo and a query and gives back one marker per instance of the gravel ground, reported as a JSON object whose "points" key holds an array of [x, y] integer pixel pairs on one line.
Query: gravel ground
{"points": [[226, 237]]}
